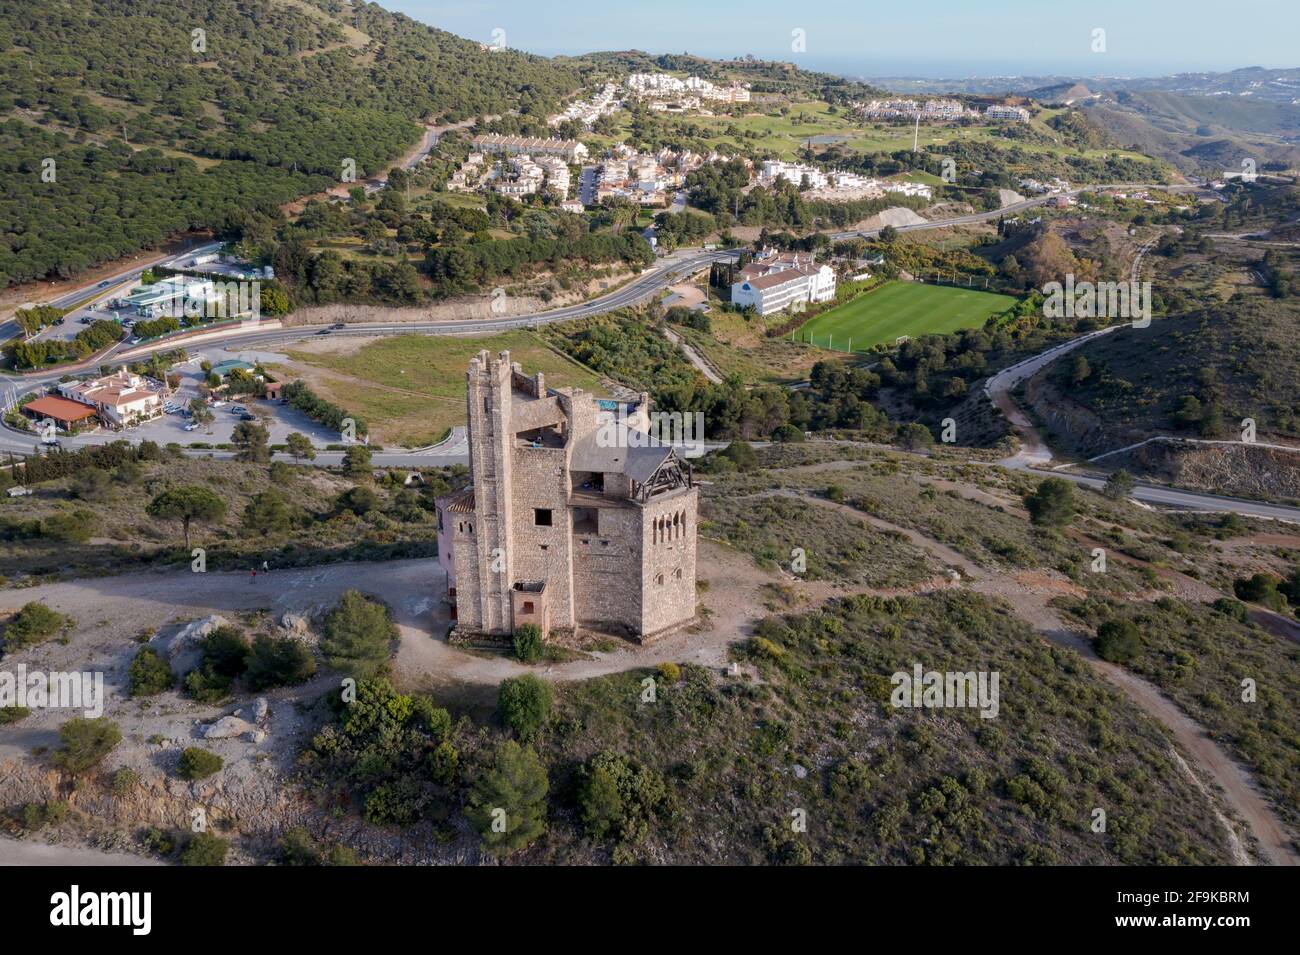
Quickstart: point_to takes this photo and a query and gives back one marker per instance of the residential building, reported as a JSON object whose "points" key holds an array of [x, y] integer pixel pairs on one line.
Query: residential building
{"points": [[574, 517], [570, 150], [121, 399], [773, 282], [1017, 113]]}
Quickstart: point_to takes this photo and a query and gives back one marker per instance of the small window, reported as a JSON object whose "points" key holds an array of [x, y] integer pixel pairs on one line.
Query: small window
{"points": [[677, 573], [528, 606], [659, 580], [542, 516]]}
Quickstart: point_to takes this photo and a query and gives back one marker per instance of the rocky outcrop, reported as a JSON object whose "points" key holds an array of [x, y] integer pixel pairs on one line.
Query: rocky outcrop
{"points": [[181, 649], [1235, 470]]}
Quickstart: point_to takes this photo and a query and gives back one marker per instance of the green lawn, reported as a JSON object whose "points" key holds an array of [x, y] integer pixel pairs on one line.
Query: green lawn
{"points": [[897, 309], [411, 388]]}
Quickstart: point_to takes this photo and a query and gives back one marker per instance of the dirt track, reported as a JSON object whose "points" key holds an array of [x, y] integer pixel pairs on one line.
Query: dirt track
{"points": [[111, 610]]}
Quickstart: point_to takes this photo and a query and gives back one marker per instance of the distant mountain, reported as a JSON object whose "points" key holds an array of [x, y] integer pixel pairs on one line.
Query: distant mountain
{"points": [[1201, 133], [1061, 94], [1254, 82]]}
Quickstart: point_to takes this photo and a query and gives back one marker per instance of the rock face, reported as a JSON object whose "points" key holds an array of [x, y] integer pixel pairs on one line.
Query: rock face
{"points": [[228, 727], [294, 624], [181, 649], [899, 215]]}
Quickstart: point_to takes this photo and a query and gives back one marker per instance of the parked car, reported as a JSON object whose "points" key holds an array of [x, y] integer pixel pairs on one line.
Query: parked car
{"points": [[338, 325], [218, 404], [247, 417], [58, 321], [192, 426], [239, 409]]}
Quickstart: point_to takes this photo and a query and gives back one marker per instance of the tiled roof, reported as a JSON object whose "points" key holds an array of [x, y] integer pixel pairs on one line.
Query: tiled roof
{"points": [[61, 409]]}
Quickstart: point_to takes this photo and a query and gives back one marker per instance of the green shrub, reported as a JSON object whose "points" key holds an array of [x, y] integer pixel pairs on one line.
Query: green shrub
{"points": [[513, 789], [618, 797], [149, 673], [1052, 503], [225, 651], [278, 661], [741, 454], [33, 624], [528, 643], [206, 686], [1118, 641], [1261, 589], [124, 781], [12, 714], [298, 848], [83, 743], [196, 763], [1235, 609], [358, 635], [670, 672], [205, 849], [524, 703]]}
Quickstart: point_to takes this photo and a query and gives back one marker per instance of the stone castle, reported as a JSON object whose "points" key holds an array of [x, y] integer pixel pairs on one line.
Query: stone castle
{"points": [[575, 518]]}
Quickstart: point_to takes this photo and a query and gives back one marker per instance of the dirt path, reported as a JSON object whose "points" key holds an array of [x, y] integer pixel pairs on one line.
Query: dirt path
{"points": [[1232, 781], [1028, 593], [694, 357], [13, 852], [112, 608]]}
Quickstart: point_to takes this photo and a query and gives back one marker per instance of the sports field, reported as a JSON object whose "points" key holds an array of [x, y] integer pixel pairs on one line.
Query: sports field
{"points": [[896, 309]]}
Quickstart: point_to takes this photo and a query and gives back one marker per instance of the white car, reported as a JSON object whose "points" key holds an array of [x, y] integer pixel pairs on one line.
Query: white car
{"points": [[191, 426]]}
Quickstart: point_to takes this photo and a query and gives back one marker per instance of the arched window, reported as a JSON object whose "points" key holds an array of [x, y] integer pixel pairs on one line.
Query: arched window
{"points": [[677, 573], [659, 580]]}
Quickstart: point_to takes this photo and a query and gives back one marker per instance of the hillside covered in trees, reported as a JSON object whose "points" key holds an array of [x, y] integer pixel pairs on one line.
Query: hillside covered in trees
{"points": [[125, 121]]}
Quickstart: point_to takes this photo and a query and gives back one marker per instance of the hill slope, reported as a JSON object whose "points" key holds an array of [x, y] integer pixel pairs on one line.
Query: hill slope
{"points": [[124, 121]]}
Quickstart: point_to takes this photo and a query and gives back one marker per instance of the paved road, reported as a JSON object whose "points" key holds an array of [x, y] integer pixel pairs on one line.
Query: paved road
{"points": [[1012, 208], [667, 271]]}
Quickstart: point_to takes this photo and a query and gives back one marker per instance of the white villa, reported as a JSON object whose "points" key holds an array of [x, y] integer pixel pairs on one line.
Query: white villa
{"points": [[775, 281]]}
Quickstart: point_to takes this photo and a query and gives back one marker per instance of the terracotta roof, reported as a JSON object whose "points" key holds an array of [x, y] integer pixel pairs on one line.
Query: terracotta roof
{"points": [[60, 409], [458, 502]]}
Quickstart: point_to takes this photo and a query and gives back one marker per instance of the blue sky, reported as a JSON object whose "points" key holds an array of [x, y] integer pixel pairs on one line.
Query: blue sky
{"points": [[928, 38]]}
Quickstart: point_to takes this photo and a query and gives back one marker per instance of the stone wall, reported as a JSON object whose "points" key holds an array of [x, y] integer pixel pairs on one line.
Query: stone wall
{"points": [[538, 553], [668, 539]]}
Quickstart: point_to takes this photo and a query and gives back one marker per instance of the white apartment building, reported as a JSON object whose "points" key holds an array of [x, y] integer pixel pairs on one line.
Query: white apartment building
{"points": [[570, 150], [795, 172], [665, 86], [1017, 113], [787, 280]]}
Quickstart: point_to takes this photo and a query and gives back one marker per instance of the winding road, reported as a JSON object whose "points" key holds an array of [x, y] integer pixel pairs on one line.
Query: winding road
{"points": [[668, 270]]}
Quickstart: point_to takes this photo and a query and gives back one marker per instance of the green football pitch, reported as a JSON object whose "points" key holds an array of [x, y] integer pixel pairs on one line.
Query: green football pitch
{"points": [[899, 309]]}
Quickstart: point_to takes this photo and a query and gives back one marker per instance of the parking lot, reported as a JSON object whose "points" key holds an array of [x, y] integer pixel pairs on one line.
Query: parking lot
{"points": [[279, 417]]}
